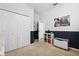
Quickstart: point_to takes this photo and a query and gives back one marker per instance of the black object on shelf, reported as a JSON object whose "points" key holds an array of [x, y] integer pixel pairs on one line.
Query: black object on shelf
{"points": [[49, 36], [45, 39], [48, 31]]}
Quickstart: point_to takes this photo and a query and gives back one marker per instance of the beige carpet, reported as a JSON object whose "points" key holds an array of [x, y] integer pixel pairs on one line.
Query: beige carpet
{"points": [[41, 49]]}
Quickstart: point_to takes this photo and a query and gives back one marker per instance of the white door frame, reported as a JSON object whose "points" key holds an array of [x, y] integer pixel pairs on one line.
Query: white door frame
{"points": [[41, 31]]}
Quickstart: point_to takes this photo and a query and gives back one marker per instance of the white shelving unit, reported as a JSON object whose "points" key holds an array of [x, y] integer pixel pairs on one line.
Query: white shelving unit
{"points": [[49, 36]]}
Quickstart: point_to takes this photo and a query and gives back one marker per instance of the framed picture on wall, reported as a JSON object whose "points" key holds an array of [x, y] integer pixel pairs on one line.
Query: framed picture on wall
{"points": [[62, 21]]}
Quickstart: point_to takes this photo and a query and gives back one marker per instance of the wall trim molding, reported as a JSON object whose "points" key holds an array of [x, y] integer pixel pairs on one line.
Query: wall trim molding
{"points": [[74, 49], [13, 12], [62, 31]]}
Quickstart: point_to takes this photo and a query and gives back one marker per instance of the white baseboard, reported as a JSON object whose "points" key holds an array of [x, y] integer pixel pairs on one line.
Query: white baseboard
{"points": [[74, 49]]}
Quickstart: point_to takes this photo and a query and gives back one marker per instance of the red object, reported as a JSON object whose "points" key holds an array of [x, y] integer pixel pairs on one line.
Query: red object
{"points": [[49, 41], [61, 22]]}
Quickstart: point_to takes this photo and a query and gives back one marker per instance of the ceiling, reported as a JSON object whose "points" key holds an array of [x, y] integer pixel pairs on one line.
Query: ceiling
{"points": [[41, 7]]}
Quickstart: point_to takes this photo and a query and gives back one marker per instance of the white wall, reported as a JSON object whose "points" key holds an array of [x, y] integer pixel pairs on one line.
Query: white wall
{"points": [[36, 19], [20, 8], [71, 9]]}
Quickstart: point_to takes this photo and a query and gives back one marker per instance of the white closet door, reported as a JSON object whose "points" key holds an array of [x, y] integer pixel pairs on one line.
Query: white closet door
{"points": [[3, 31], [15, 30], [20, 31], [24, 31], [11, 34], [12, 43]]}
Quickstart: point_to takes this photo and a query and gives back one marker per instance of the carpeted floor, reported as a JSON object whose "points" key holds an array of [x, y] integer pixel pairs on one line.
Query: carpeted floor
{"points": [[41, 49]]}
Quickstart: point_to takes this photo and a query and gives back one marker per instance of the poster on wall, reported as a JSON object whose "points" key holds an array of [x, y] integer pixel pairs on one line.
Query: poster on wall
{"points": [[62, 21]]}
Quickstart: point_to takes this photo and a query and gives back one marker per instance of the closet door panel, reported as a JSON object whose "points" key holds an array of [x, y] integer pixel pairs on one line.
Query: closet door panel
{"points": [[23, 31], [12, 32], [3, 30], [27, 29], [20, 31]]}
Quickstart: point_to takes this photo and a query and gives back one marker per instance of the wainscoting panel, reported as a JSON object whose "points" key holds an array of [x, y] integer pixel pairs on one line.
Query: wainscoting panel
{"points": [[73, 37]]}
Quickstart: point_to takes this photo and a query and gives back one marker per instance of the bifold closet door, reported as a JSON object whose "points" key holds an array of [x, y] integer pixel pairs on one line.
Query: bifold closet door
{"points": [[3, 31], [8, 27], [12, 43], [12, 31], [24, 28]]}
